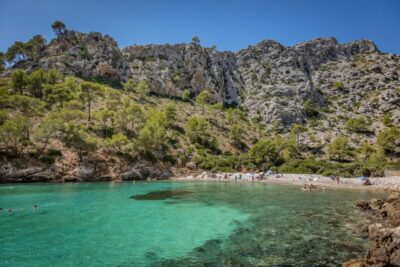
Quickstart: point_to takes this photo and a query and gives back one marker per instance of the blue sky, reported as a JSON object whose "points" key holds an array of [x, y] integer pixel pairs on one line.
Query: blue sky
{"points": [[229, 24]]}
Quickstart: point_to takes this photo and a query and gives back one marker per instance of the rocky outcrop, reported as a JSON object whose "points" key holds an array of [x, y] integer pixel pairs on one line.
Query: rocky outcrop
{"points": [[386, 209], [84, 172], [89, 55], [11, 174], [384, 241], [384, 246]]}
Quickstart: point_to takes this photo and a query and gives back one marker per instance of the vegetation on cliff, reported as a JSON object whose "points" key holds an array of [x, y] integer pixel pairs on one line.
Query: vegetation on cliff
{"points": [[46, 116], [59, 116]]}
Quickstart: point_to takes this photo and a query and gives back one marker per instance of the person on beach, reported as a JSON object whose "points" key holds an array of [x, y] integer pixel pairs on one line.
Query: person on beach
{"points": [[367, 181], [338, 179]]}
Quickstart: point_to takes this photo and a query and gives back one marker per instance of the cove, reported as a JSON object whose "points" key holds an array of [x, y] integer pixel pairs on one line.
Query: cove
{"points": [[214, 224]]}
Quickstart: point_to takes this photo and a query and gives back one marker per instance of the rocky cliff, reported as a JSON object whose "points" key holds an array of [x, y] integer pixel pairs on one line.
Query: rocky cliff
{"points": [[279, 80], [170, 69], [273, 82]]}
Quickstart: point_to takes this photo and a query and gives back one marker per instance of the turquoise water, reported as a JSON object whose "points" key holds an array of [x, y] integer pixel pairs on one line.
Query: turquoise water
{"points": [[204, 224]]}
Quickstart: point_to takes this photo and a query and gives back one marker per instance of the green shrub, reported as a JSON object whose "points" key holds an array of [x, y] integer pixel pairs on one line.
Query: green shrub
{"points": [[236, 134], [337, 85], [264, 154], [218, 163], [309, 167], [328, 168], [310, 109], [197, 130], [340, 149], [389, 139], [186, 95], [313, 123], [358, 125], [387, 120]]}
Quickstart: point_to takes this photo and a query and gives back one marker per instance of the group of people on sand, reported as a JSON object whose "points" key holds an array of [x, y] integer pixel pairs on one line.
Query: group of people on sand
{"points": [[241, 176], [309, 187], [11, 210], [335, 178]]}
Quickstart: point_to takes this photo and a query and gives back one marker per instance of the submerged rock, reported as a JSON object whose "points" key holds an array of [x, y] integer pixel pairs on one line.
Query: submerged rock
{"points": [[160, 195], [362, 204]]}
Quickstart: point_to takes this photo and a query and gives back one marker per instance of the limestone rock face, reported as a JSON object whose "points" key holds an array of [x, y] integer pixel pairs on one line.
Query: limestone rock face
{"points": [[170, 69]]}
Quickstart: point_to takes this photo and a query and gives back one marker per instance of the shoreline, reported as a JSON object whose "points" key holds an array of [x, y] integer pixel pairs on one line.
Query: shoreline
{"points": [[322, 182]]}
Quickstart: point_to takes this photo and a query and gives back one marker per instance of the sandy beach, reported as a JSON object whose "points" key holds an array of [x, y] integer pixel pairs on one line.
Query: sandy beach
{"points": [[377, 183]]}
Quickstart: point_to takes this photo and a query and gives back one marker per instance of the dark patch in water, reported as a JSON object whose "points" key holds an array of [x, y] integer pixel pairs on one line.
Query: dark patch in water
{"points": [[160, 195]]}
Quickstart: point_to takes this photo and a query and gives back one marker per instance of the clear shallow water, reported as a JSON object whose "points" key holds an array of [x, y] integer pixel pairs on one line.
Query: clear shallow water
{"points": [[213, 224]]}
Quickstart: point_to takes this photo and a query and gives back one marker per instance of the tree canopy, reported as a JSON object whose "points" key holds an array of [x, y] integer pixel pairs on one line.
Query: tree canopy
{"points": [[58, 27], [340, 149]]}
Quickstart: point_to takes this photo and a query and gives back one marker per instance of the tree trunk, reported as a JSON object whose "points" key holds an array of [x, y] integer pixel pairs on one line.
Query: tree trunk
{"points": [[89, 106]]}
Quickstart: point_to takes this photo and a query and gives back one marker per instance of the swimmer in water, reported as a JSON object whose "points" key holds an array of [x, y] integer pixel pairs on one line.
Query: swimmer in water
{"points": [[34, 206], [9, 210]]}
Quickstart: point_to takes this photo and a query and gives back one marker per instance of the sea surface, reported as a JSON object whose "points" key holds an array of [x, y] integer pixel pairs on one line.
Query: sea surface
{"points": [[179, 224]]}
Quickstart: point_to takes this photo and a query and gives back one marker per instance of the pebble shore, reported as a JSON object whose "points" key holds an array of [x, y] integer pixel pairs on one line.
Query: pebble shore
{"points": [[378, 183]]}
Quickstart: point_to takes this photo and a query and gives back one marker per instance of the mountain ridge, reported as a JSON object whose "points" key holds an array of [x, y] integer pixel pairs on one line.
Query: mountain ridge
{"points": [[257, 78]]}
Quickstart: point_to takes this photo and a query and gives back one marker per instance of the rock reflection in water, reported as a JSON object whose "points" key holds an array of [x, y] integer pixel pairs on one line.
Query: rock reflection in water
{"points": [[161, 195]]}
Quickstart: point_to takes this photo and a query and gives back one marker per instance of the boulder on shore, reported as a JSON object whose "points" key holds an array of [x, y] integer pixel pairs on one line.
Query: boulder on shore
{"points": [[384, 246], [191, 165], [384, 241], [133, 174]]}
